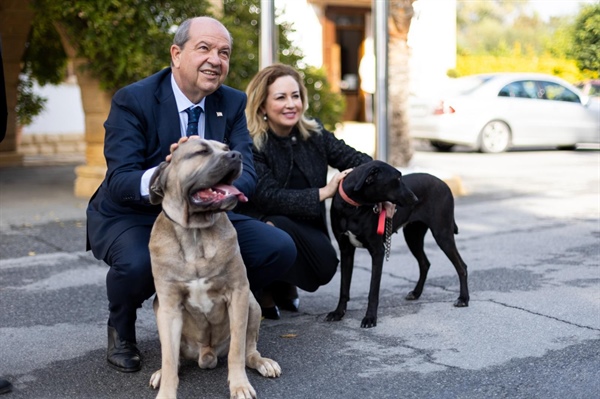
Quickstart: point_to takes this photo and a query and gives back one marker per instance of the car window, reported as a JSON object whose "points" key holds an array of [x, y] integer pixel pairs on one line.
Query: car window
{"points": [[531, 89], [519, 89], [556, 92]]}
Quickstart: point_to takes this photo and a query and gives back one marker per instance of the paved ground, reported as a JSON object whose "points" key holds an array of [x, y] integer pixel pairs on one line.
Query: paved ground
{"points": [[529, 231]]}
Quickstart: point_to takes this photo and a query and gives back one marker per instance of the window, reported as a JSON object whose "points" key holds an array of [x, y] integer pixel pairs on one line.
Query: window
{"points": [[556, 92], [522, 89]]}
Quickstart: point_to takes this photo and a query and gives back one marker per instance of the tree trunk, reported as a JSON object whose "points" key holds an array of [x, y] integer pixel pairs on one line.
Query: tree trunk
{"points": [[400, 149]]}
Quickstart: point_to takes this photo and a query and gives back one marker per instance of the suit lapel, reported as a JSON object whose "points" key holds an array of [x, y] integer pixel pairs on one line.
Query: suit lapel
{"points": [[166, 116], [215, 118]]}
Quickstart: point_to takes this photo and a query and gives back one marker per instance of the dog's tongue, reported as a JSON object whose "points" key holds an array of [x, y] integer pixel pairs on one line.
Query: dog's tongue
{"points": [[231, 190]]}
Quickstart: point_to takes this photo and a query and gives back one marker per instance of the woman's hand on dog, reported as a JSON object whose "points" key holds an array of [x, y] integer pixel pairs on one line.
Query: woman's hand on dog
{"points": [[331, 188]]}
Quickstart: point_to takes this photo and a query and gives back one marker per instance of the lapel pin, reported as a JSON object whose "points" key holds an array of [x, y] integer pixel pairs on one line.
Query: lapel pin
{"points": [[219, 114]]}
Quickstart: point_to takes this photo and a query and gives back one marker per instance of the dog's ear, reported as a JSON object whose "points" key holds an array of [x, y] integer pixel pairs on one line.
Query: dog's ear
{"points": [[367, 177], [158, 183]]}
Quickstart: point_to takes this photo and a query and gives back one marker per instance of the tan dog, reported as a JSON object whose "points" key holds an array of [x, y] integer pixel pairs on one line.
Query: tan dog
{"points": [[203, 303]]}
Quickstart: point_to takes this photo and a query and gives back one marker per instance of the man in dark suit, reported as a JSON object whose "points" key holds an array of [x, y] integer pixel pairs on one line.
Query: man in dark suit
{"points": [[145, 119]]}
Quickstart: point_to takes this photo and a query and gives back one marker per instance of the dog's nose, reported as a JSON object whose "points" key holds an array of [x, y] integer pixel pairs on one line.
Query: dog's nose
{"points": [[234, 155]]}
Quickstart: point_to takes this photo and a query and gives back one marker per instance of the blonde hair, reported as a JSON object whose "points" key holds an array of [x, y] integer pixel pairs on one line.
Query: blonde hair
{"points": [[257, 92]]}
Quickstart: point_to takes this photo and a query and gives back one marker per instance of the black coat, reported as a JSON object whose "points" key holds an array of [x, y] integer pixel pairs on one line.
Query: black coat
{"points": [[313, 157]]}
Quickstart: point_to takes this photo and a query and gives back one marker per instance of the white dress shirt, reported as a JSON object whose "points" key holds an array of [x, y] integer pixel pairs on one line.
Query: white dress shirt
{"points": [[183, 103]]}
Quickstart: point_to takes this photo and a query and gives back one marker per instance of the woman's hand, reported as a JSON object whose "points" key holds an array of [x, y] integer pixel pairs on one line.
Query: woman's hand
{"points": [[331, 188]]}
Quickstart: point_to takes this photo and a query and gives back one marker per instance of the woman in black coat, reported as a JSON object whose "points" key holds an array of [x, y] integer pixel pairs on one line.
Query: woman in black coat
{"points": [[292, 156]]}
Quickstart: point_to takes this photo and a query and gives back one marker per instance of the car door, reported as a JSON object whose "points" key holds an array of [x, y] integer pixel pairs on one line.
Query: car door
{"points": [[572, 122], [525, 112]]}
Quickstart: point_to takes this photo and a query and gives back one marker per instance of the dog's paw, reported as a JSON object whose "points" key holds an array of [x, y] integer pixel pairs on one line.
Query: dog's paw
{"points": [[411, 296], [368, 322], [155, 380], [265, 366], [268, 368], [334, 316], [242, 391], [461, 303], [208, 360]]}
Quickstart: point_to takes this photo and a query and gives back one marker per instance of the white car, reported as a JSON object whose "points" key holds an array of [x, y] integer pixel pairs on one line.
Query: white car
{"points": [[497, 111]]}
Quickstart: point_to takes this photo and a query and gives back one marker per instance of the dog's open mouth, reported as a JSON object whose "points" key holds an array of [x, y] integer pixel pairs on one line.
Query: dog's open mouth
{"points": [[217, 193]]}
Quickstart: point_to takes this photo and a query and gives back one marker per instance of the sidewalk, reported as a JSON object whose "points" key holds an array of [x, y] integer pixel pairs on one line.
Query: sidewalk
{"points": [[39, 194], [531, 331]]}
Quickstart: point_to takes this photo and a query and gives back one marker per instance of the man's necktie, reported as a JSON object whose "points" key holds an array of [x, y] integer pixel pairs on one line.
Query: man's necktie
{"points": [[193, 116]]}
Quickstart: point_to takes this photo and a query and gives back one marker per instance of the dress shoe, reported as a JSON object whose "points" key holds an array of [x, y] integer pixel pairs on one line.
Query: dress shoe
{"points": [[291, 305], [122, 355], [5, 386], [271, 313], [267, 305], [286, 296]]}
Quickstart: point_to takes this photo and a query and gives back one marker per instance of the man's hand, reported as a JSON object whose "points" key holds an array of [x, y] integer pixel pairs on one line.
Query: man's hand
{"points": [[175, 145]]}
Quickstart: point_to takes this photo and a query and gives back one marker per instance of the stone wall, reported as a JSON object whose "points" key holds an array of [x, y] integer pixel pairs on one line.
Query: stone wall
{"points": [[52, 148]]}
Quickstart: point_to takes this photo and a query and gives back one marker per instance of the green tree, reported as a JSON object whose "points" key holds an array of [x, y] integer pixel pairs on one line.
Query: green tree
{"points": [[586, 39], [242, 18], [497, 27], [124, 40], [505, 35], [44, 61], [127, 40]]}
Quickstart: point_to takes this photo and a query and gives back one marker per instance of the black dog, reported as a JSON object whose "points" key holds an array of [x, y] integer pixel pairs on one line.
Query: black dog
{"points": [[422, 202]]}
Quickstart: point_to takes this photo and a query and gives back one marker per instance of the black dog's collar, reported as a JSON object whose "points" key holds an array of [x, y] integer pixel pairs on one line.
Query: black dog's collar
{"points": [[345, 196], [378, 208]]}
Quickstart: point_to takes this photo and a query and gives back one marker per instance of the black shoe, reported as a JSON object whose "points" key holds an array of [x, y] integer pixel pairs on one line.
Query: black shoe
{"points": [[291, 305], [122, 355], [286, 296], [267, 305], [5, 386], [271, 313]]}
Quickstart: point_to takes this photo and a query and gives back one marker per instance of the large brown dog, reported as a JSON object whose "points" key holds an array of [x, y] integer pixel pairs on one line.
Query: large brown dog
{"points": [[203, 303]]}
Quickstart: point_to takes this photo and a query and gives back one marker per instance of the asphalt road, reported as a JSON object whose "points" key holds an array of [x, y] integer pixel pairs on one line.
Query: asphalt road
{"points": [[529, 232]]}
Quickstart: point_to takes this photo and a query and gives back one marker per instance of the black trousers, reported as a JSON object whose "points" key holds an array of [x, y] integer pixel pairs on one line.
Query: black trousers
{"points": [[268, 253], [316, 262]]}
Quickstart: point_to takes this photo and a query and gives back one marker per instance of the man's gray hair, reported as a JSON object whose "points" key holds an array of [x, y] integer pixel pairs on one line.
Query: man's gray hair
{"points": [[182, 35]]}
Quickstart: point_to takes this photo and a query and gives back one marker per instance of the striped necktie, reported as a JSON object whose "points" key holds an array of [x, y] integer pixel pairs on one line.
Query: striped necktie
{"points": [[193, 116]]}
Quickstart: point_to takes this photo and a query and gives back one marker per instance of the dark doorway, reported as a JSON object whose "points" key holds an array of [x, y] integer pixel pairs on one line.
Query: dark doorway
{"points": [[346, 48]]}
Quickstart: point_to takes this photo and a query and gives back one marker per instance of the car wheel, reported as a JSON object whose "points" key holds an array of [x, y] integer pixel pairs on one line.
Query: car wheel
{"points": [[494, 137], [441, 146]]}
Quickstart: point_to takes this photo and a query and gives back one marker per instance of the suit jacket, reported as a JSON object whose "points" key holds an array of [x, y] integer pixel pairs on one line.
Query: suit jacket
{"points": [[274, 163], [142, 124]]}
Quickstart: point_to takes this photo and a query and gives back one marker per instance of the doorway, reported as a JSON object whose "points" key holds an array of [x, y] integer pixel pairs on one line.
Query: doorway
{"points": [[344, 47]]}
